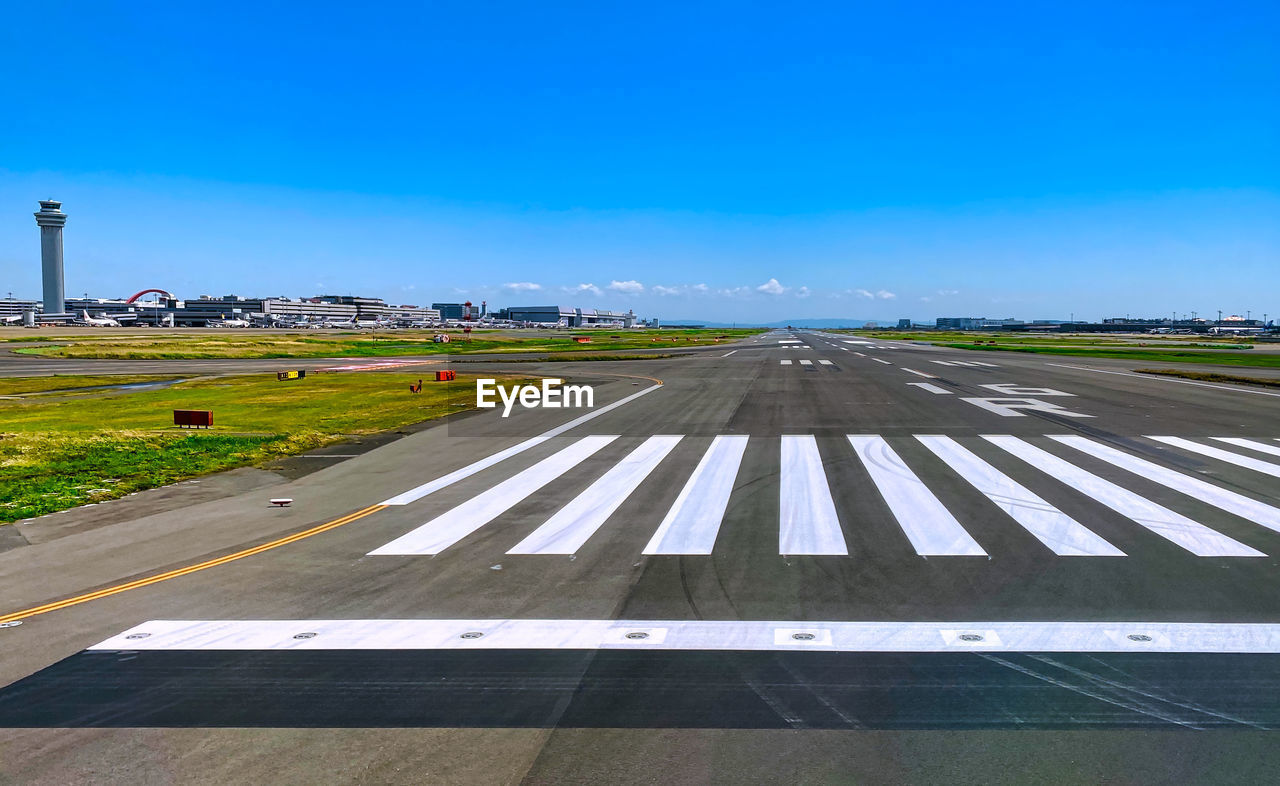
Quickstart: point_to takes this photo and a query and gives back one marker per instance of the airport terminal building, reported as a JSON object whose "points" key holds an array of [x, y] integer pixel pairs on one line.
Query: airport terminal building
{"points": [[569, 316]]}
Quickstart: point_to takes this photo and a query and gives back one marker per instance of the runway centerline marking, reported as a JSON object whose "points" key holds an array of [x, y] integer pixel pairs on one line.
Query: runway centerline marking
{"points": [[878, 360], [919, 374], [934, 389]]}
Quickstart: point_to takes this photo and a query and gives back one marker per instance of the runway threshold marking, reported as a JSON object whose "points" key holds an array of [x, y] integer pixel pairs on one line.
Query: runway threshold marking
{"points": [[692, 523], [173, 574], [1173, 527], [419, 492], [458, 522], [1250, 444], [735, 635], [927, 523], [1248, 462], [1065, 536], [1166, 379]]}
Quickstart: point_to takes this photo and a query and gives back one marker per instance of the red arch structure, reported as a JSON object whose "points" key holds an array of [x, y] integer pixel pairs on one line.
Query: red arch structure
{"points": [[146, 291]]}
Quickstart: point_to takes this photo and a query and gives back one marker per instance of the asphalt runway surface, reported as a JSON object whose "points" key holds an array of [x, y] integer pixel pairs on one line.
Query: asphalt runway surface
{"points": [[804, 557]]}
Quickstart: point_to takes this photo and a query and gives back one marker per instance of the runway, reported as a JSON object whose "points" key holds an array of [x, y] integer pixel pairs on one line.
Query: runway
{"points": [[800, 534]]}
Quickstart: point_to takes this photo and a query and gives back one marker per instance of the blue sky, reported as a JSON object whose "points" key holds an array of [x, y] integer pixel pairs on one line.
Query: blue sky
{"points": [[699, 161]]}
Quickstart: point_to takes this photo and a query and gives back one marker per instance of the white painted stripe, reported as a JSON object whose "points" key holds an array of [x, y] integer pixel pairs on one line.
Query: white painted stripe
{"points": [[790, 341], [930, 387], [962, 363], [1174, 527], [693, 522], [1166, 379], [575, 523], [988, 365], [930, 527], [859, 354], [1248, 462], [1242, 506], [785, 362], [808, 522], [1062, 534], [723, 635], [806, 362], [1261, 447], [727, 354], [455, 524], [453, 477], [826, 362], [942, 362], [878, 360], [919, 373]]}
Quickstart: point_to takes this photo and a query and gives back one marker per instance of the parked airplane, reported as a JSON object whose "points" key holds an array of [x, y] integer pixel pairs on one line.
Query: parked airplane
{"points": [[88, 321], [228, 323]]}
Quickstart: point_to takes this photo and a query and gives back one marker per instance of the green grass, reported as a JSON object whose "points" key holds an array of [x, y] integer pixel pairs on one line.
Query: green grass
{"points": [[59, 450], [1223, 358], [1205, 376], [45, 473], [243, 344]]}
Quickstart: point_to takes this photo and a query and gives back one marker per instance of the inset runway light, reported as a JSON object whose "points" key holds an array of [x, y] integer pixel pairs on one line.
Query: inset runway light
{"points": [[472, 634]]}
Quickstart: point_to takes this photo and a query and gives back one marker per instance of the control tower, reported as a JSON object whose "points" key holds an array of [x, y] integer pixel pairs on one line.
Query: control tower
{"points": [[51, 220]]}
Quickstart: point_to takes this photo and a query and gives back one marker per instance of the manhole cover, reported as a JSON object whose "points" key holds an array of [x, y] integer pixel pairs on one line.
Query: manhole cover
{"points": [[471, 634], [803, 636], [637, 634], [970, 637], [1139, 637], [137, 635], [307, 635]]}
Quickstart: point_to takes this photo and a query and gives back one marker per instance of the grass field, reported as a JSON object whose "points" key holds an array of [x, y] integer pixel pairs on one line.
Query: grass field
{"points": [[1223, 358], [159, 345], [62, 450], [1204, 376]]}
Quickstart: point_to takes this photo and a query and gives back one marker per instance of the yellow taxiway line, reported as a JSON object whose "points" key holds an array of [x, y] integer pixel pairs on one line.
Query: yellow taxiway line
{"points": [[173, 574]]}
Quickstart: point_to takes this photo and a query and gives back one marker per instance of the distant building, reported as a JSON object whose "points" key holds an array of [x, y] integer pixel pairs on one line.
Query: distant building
{"points": [[976, 323], [449, 310], [568, 316], [904, 324]]}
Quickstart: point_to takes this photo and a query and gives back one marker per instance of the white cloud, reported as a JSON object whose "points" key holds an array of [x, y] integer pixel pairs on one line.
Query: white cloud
{"points": [[734, 291], [699, 288], [885, 294], [522, 286], [661, 290], [802, 292], [771, 287], [947, 292], [627, 287], [862, 293], [926, 298], [581, 288]]}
